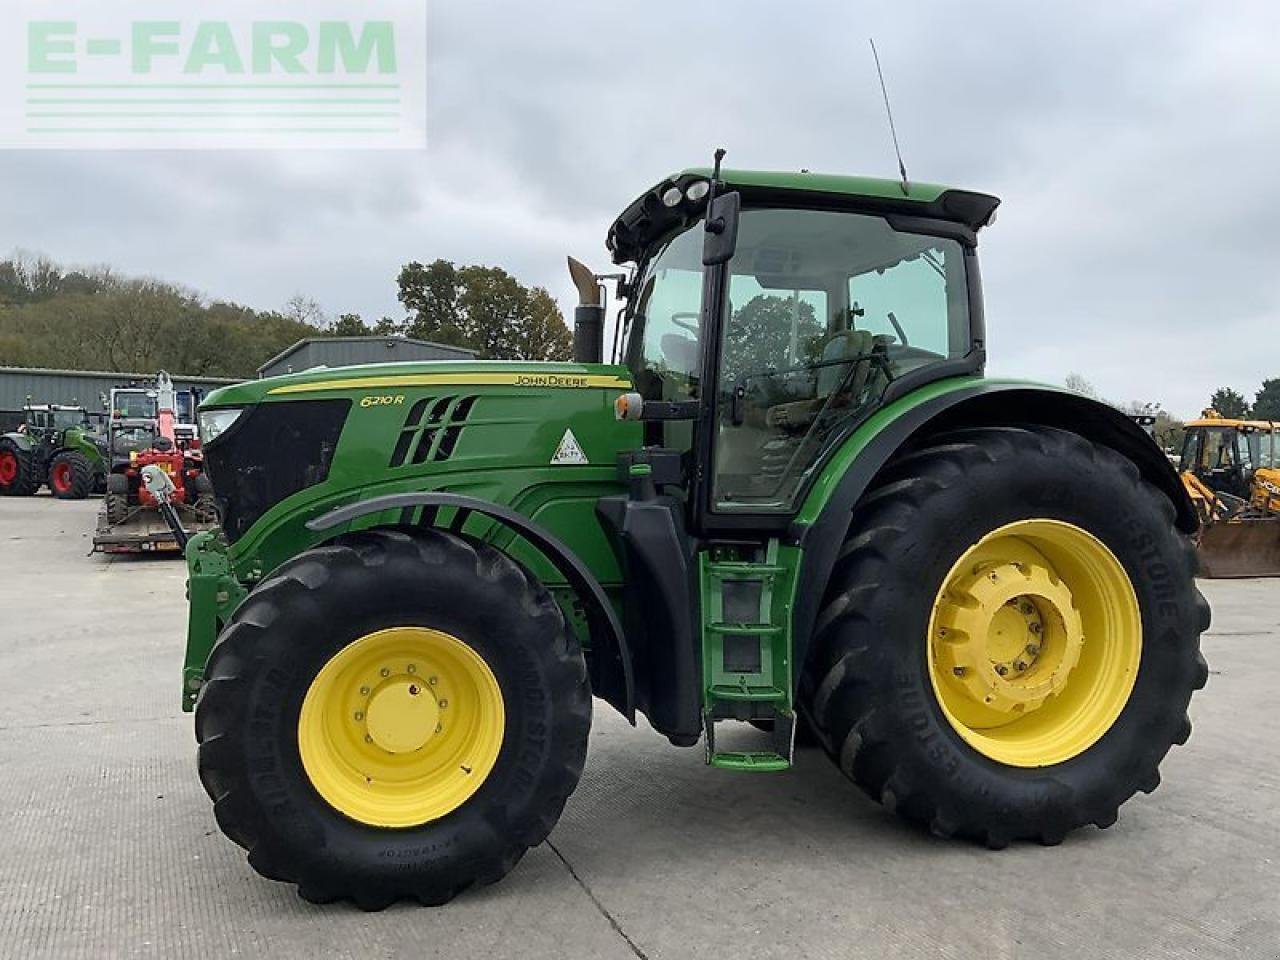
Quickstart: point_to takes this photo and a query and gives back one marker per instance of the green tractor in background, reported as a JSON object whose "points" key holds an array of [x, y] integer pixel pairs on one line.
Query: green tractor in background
{"points": [[56, 445], [792, 501]]}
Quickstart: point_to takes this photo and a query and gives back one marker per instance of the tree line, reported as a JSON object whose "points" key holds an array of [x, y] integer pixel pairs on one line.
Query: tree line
{"points": [[1233, 404], [94, 319]]}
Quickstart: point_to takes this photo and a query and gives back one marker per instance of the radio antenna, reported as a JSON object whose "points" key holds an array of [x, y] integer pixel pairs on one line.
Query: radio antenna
{"points": [[893, 132]]}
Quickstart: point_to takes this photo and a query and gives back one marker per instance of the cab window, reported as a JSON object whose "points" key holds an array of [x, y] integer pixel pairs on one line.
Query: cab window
{"points": [[825, 310], [664, 343]]}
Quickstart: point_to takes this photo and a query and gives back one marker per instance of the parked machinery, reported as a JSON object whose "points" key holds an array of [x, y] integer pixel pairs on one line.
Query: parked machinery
{"points": [[144, 430], [1231, 470], [55, 445]]}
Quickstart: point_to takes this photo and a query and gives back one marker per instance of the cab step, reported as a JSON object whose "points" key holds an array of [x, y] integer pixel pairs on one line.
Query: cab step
{"points": [[746, 652], [781, 739]]}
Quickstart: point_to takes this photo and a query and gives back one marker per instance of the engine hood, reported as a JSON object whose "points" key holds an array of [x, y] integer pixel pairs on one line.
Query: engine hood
{"points": [[378, 378]]}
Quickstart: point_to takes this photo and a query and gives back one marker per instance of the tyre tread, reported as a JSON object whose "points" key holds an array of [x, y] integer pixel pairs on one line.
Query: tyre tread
{"points": [[845, 707]]}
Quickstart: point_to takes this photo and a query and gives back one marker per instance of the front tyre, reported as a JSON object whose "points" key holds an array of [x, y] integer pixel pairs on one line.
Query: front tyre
{"points": [[393, 716], [70, 475], [1010, 639]]}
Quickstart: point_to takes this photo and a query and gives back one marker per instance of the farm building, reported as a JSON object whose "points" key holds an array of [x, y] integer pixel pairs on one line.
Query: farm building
{"points": [[345, 351], [85, 387]]}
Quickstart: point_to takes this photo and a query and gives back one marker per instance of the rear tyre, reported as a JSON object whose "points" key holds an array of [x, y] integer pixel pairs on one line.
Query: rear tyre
{"points": [[70, 475], [950, 676], [393, 716], [115, 507], [17, 470]]}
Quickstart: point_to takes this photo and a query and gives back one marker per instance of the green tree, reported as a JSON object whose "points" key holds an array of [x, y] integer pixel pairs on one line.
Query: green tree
{"points": [[350, 325], [770, 332], [1229, 403], [431, 294], [1169, 432], [482, 308], [1266, 403]]}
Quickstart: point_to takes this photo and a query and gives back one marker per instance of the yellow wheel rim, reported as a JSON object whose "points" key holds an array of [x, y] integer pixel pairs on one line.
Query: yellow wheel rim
{"points": [[1034, 643], [401, 727]]}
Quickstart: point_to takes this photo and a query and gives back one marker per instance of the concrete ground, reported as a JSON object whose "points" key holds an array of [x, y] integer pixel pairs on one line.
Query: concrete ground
{"points": [[108, 846]]}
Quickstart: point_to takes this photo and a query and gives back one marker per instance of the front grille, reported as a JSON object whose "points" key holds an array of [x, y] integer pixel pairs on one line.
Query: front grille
{"points": [[431, 430], [273, 451]]}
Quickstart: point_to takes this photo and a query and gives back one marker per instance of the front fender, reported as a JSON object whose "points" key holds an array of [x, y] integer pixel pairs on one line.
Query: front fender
{"points": [[823, 521], [612, 677]]}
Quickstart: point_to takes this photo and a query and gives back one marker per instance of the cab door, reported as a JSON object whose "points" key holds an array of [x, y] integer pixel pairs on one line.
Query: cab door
{"points": [[823, 310]]}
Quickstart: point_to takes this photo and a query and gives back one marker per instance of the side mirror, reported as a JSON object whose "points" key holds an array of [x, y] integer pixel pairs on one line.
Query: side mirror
{"points": [[722, 229]]}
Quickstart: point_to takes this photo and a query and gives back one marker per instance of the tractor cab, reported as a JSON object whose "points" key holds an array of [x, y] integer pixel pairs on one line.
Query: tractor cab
{"points": [[1225, 454], [133, 403], [762, 327], [819, 314], [53, 420]]}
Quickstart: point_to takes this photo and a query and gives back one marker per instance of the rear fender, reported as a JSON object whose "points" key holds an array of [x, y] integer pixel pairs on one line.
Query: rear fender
{"points": [[970, 404], [21, 440]]}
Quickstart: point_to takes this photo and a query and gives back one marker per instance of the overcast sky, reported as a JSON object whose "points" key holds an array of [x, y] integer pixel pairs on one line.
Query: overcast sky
{"points": [[1135, 147]]}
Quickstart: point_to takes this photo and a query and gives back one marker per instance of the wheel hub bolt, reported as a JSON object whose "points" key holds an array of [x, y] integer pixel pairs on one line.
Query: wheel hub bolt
{"points": [[443, 704], [958, 671], [1026, 609], [1019, 665], [368, 739], [1033, 649], [1036, 628], [359, 715], [414, 690], [1001, 669], [433, 681], [364, 691], [385, 672], [411, 668]]}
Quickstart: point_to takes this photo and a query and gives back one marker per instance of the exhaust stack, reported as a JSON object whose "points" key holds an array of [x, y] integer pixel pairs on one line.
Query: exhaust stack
{"points": [[588, 316]]}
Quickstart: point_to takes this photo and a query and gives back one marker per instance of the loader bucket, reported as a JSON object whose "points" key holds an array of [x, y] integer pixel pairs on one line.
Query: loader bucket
{"points": [[1240, 548]]}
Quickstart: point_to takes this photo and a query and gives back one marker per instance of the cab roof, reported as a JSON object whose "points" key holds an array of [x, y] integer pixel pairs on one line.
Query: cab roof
{"points": [[648, 219], [1230, 422]]}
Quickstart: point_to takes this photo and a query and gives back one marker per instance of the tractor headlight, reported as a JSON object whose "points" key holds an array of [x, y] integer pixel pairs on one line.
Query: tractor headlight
{"points": [[697, 190], [215, 422]]}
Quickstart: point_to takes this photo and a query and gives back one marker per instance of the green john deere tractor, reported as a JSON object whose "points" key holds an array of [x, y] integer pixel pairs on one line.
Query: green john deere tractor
{"points": [[57, 445], [793, 501]]}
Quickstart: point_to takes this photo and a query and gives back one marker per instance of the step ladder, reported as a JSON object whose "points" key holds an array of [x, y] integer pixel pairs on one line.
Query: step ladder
{"points": [[746, 654]]}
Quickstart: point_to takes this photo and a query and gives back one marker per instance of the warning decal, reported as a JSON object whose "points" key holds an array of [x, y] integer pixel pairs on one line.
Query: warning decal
{"points": [[569, 451]]}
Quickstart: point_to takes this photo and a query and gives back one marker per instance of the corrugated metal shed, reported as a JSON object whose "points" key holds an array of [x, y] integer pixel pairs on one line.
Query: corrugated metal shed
{"points": [[345, 351], [80, 386]]}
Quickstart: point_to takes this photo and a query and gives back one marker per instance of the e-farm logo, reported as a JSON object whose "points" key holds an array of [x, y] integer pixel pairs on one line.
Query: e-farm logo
{"points": [[220, 73]]}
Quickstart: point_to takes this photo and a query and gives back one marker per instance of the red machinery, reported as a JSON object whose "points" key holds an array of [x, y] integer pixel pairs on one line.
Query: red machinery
{"points": [[143, 432]]}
